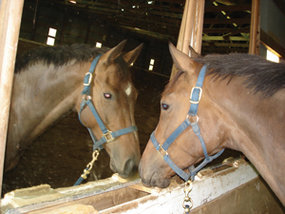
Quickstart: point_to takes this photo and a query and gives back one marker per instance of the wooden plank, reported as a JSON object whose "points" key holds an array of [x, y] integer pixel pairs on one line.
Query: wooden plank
{"points": [[252, 197], [234, 182], [197, 45], [191, 28], [229, 8], [254, 28], [206, 188], [226, 30], [223, 38], [10, 18], [238, 21]]}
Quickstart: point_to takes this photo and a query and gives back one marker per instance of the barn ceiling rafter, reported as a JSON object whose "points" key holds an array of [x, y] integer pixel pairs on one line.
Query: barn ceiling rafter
{"points": [[226, 22]]}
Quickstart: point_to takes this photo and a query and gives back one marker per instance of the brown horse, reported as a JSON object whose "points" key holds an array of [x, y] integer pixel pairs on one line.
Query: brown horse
{"points": [[242, 108], [48, 82]]}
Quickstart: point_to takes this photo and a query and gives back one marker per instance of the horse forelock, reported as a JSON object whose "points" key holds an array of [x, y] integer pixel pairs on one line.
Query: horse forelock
{"points": [[57, 56], [260, 74]]}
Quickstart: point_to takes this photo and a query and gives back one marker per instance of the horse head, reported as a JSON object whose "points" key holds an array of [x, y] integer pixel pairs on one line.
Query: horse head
{"points": [[185, 149], [113, 96]]}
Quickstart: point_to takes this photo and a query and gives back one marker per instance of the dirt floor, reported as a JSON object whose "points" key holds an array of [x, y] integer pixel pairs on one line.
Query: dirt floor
{"points": [[59, 155]]}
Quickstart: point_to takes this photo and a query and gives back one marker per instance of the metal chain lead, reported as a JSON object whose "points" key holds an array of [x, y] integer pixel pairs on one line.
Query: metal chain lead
{"points": [[89, 166], [187, 203]]}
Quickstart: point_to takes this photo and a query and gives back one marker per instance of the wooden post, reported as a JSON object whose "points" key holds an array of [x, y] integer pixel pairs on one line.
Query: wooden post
{"points": [[254, 28], [10, 19], [191, 28]]}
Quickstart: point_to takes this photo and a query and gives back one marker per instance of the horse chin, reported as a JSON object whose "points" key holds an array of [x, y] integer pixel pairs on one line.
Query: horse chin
{"points": [[128, 170], [153, 178], [156, 181]]}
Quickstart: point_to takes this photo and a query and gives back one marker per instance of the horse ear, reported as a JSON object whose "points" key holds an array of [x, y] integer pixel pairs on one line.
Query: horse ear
{"points": [[182, 61], [132, 55], [114, 52], [193, 53]]}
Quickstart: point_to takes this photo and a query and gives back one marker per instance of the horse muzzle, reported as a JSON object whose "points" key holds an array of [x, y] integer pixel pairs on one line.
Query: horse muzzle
{"points": [[152, 177], [125, 170]]}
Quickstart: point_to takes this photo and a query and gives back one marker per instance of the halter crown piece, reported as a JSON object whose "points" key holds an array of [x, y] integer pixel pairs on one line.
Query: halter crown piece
{"points": [[195, 97], [108, 136]]}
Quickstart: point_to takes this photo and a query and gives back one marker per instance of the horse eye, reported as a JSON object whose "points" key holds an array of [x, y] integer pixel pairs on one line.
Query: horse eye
{"points": [[107, 95], [164, 106]]}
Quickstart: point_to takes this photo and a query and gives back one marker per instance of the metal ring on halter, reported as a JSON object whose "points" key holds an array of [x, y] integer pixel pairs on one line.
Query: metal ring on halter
{"points": [[190, 118], [86, 97]]}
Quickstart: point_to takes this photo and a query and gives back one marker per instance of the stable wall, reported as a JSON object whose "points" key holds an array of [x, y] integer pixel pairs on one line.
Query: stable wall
{"points": [[272, 24]]}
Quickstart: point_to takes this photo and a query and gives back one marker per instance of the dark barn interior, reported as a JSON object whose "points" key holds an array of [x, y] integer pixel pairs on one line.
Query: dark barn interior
{"points": [[59, 155]]}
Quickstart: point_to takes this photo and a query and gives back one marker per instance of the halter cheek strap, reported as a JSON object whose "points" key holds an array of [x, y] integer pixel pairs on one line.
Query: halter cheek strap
{"points": [[195, 97]]}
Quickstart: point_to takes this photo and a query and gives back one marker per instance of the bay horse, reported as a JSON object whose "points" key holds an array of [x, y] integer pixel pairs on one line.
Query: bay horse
{"points": [[48, 83], [241, 108]]}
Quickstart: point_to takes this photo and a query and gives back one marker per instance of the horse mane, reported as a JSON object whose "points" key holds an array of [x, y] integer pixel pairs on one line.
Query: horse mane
{"points": [[261, 75], [58, 55]]}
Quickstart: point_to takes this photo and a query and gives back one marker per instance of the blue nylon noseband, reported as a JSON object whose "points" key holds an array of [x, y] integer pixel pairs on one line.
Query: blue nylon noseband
{"points": [[195, 97], [108, 136]]}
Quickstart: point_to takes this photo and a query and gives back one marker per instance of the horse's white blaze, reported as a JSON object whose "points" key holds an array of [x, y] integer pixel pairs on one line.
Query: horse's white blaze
{"points": [[129, 89]]}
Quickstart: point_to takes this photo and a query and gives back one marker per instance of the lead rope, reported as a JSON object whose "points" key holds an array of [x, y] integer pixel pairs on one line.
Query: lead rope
{"points": [[187, 203], [88, 168]]}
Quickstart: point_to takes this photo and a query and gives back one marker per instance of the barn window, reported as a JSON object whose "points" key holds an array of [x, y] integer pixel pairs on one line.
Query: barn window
{"points": [[52, 32], [151, 64], [98, 45], [271, 56], [51, 36], [50, 41]]}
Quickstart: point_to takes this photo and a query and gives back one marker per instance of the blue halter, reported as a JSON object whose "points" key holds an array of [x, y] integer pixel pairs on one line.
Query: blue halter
{"points": [[195, 97], [108, 136]]}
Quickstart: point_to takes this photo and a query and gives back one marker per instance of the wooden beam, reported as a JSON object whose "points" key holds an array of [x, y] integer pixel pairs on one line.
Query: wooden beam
{"points": [[10, 19], [229, 8], [239, 21], [223, 38], [226, 44], [191, 28], [226, 30], [148, 33], [254, 28]]}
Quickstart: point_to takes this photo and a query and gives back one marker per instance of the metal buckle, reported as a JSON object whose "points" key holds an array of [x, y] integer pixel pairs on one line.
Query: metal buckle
{"points": [[200, 95], [108, 136], [162, 151], [89, 79]]}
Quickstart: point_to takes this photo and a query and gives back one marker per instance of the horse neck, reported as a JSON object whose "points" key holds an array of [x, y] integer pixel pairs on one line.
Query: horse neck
{"points": [[41, 94], [256, 127]]}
